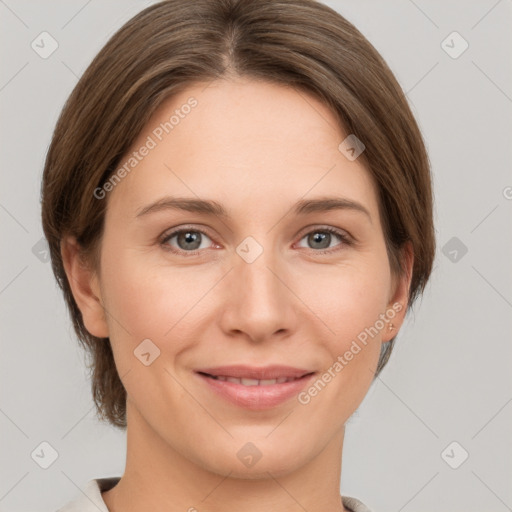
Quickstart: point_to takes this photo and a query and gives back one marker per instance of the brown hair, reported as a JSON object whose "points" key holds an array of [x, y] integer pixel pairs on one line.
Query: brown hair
{"points": [[172, 44]]}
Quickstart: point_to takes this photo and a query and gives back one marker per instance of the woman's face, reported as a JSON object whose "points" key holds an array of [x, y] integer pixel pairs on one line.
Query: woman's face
{"points": [[262, 284]]}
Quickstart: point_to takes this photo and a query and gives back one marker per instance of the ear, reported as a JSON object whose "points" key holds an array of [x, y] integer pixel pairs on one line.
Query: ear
{"points": [[399, 297], [85, 287]]}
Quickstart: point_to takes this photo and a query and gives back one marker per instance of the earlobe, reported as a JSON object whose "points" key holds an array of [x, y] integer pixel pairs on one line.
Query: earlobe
{"points": [[399, 299], [85, 288]]}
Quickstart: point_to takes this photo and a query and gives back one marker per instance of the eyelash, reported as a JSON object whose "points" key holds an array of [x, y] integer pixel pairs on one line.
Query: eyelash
{"points": [[346, 241]]}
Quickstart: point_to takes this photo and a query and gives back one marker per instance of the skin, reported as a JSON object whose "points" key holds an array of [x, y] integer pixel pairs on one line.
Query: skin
{"points": [[256, 148]]}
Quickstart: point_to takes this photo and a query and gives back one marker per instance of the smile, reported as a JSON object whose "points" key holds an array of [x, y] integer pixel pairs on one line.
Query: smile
{"points": [[253, 382], [247, 392]]}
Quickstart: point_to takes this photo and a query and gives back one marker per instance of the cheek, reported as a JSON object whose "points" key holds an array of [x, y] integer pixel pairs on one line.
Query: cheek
{"points": [[148, 301], [347, 298], [353, 298], [351, 304]]}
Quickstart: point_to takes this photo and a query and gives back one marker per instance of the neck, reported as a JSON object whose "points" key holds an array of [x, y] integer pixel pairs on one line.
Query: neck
{"points": [[158, 477]]}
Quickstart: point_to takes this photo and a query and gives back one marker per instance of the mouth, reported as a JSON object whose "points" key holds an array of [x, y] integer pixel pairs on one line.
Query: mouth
{"points": [[255, 388], [247, 381]]}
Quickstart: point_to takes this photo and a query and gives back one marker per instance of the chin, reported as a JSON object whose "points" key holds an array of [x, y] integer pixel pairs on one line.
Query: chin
{"points": [[260, 471], [254, 461]]}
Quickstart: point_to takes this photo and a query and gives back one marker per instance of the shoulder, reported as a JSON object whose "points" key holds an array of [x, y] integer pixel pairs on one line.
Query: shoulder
{"points": [[89, 499], [354, 505]]}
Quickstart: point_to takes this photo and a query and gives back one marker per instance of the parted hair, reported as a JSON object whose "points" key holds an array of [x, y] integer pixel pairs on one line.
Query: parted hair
{"points": [[175, 43]]}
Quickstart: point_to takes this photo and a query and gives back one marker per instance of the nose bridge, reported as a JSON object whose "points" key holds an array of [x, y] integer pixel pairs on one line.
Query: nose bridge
{"points": [[257, 268], [260, 301]]}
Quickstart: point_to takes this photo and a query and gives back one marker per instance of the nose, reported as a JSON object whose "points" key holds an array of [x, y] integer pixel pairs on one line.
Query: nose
{"points": [[260, 303]]}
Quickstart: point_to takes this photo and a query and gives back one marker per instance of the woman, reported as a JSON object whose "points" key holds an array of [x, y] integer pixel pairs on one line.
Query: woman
{"points": [[238, 205]]}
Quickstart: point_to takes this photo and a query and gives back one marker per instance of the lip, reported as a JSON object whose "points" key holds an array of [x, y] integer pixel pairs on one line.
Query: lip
{"points": [[258, 397]]}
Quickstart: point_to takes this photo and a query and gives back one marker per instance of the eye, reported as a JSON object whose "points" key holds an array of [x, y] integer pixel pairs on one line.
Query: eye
{"points": [[190, 241], [187, 239], [321, 238]]}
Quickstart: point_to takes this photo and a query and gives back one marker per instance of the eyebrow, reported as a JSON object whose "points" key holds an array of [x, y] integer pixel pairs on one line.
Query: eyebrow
{"points": [[210, 207]]}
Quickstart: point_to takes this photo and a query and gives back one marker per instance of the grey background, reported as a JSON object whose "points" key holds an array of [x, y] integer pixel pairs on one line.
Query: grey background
{"points": [[449, 377]]}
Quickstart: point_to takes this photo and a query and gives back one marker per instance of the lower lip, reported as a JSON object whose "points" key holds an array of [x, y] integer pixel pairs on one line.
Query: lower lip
{"points": [[257, 397]]}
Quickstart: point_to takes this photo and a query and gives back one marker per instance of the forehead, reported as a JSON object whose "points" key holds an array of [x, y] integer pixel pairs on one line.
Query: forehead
{"points": [[232, 138]]}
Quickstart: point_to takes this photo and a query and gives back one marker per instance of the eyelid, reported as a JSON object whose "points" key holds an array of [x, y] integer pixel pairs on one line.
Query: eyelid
{"points": [[326, 227]]}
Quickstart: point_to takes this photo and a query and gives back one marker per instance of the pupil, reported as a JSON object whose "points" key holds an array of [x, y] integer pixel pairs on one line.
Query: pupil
{"points": [[189, 238], [321, 237]]}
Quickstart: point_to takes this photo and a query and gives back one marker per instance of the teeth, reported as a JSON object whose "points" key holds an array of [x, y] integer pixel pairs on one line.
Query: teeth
{"points": [[254, 382], [250, 382]]}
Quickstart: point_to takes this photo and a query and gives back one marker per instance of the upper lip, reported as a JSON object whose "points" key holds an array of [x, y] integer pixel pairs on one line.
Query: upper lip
{"points": [[253, 372]]}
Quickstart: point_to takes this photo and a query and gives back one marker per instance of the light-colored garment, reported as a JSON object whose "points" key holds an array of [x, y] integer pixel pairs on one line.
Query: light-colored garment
{"points": [[91, 501]]}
